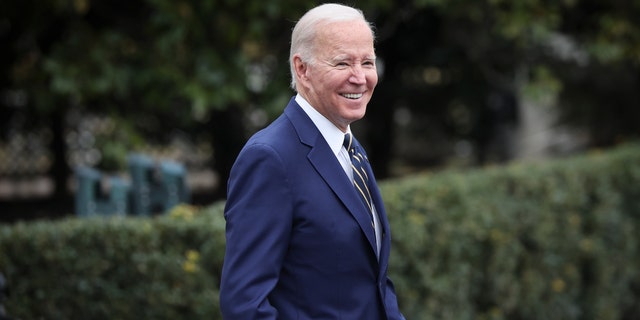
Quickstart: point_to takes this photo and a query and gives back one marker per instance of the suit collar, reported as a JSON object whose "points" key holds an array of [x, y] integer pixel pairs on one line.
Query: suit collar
{"points": [[304, 127], [329, 131]]}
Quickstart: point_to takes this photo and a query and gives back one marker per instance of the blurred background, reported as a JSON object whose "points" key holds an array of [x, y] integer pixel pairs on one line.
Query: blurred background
{"points": [[463, 83]]}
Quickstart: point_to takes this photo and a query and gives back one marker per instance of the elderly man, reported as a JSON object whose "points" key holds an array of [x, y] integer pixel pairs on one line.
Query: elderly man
{"points": [[307, 232]]}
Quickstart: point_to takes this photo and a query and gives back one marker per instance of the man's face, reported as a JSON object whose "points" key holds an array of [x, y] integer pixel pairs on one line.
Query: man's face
{"points": [[340, 80]]}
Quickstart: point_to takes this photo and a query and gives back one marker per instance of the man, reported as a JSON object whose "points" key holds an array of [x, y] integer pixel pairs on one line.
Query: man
{"points": [[301, 243]]}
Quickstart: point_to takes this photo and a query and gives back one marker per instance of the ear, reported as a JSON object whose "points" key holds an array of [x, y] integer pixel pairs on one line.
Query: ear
{"points": [[300, 68]]}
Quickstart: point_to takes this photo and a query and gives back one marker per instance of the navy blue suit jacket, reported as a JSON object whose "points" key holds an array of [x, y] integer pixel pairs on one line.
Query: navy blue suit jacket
{"points": [[300, 244]]}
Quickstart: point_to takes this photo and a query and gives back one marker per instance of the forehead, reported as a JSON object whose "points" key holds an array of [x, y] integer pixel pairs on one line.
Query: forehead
{"points": [[345, 37]]}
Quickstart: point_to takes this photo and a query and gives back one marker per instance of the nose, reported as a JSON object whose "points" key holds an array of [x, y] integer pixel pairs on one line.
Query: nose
{"points": [[357, 75]]}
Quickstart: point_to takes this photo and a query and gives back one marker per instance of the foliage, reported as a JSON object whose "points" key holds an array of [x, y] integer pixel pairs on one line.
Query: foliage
{"points": [[445, 59], [160, 64], [530, 241], [115, 268]]}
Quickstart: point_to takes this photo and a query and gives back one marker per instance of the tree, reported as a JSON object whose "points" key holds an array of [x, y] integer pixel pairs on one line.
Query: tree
{"points": [[207, 67], [447, 61], [149, 64]]}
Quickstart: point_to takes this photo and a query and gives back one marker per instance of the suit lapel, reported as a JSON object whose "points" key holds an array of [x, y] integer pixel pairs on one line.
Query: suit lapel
{"points": [[334, 176], [322, 159]]}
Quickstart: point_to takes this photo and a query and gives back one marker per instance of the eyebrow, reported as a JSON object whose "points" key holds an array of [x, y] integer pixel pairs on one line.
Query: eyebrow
{"points": [[344, 57]]}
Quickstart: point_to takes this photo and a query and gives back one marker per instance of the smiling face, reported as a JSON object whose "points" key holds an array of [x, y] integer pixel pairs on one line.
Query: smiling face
{"points": [[341, 75]]}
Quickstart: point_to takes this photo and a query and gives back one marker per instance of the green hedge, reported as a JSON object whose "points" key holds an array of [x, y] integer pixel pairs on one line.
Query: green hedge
{"points": [[116, 268], [554, 240]]}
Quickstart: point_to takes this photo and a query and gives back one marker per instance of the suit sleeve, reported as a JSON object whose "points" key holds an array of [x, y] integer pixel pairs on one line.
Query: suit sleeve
{"points": [[258, 217]]}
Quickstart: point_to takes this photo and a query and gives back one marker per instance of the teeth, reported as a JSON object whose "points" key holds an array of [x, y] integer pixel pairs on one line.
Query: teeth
{"points": [[352, 95]]}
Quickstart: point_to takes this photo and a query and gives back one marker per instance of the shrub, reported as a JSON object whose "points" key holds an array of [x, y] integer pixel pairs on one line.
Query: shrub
{"points": [[115, 268], [553, 240]]}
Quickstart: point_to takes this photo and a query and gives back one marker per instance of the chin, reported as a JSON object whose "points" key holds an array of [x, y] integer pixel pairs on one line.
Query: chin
{"points": [[356, 116]]}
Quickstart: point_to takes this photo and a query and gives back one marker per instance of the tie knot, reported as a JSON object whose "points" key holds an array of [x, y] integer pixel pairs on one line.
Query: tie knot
{"points": [[348, 141]]}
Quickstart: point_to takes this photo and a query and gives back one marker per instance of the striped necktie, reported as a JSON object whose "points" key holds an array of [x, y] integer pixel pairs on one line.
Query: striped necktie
{"points": [[360, 177]]}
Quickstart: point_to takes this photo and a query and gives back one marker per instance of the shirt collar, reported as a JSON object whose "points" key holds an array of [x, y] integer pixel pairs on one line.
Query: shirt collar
{"points": [[331, 133]]}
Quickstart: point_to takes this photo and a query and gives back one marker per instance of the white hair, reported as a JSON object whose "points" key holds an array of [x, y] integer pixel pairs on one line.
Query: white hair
{"points": [[305, 30]]}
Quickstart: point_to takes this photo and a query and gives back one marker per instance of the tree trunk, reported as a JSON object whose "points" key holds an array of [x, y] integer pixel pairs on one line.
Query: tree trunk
{"points": [[60, 170], [228, 136], [380, 132], [61, 199]]}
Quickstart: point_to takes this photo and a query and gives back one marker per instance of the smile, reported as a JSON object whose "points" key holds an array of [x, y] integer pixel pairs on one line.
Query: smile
{"points": [[352, 95]]}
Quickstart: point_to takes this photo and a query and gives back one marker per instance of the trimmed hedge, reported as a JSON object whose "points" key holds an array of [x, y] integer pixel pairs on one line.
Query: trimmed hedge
{"points": [[115, 268], [554, 240]]}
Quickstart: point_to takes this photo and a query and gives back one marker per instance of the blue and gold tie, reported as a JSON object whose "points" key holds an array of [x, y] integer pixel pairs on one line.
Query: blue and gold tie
{"points": [[360, 177]]}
